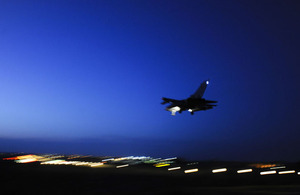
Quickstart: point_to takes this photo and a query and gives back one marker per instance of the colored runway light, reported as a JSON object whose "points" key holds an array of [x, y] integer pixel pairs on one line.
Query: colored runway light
{"points": [[287, 172], [244, 171], [191, 171], [174, 168], [267, 172], [219, 170], [162, 165], [121, 166]]}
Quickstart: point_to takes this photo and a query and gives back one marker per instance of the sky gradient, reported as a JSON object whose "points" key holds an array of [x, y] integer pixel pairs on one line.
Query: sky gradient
{"points": [[93, 73]]}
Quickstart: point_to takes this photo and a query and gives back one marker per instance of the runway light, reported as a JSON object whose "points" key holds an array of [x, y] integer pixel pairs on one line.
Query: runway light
{"points": [[283, 167], [190, 110], [191, 171], [244, 171], [174, 168], [161, 165], [219, 170], [267, 172], [286, 172], [298, 173], [121, 166]]}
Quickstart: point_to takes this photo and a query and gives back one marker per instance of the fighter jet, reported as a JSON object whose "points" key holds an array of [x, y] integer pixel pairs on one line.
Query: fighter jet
{"points": [[194, 103]]}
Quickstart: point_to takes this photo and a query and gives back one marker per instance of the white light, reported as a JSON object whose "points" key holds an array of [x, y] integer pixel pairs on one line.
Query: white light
{"points": [[267, 172], [244, 171], [175, 108], [121, 166], [207, 82], [191, 171], [298, 173], [109, 159], [174, 158], [174, 168], [53, 162], [278, 167], [286, 172], [190, 110], [219, 170]]}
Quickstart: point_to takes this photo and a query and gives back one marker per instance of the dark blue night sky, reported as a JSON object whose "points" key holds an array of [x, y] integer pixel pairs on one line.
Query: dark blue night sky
{"points": [[88, 76]]}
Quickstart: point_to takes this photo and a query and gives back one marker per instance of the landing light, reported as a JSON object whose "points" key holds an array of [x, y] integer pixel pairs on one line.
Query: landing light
{"points": [[190, 110], [207, 82]]}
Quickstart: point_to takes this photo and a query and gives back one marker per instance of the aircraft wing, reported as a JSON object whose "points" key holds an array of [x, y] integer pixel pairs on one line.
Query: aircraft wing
{"points": [[168, 100]]}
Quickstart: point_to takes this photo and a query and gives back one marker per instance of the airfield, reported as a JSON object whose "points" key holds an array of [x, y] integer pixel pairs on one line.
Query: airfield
{"points": [[76, 174]]}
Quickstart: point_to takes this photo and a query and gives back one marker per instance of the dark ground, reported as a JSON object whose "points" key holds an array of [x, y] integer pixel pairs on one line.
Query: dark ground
{"points": [[33, 178]]}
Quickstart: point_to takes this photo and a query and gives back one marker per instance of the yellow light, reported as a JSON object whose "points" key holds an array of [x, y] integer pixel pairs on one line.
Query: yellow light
{"points": [[174, 168], [244, 171], [267, 172], [219, 170], [286, 172], [191, 171], [121, 166], [96, 164], [52, 162], [161, 165]]}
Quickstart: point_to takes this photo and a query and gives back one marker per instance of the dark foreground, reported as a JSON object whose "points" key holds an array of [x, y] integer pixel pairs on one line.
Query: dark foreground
{"points": [[35, 178]]}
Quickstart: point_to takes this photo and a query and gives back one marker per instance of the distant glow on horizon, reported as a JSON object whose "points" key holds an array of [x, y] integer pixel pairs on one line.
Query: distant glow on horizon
{"points": [[219, 170], [244, 171], [267, 172], [191, 171]]}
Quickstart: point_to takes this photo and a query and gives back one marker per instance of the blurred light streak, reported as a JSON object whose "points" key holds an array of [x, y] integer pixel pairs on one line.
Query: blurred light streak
{"points": [[96, 164], [286, 172], [109, 159], [244, 171], [283, 167], [267, 172], [174, 168], [174, 158], [191, 171], [261, 166], [51, 162], [27, 160], [161, 165], [121, 166], [219, 170]]}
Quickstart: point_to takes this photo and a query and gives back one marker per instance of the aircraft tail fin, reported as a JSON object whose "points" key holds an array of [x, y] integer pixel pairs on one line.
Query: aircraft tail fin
{"points": [[200, 91]]}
